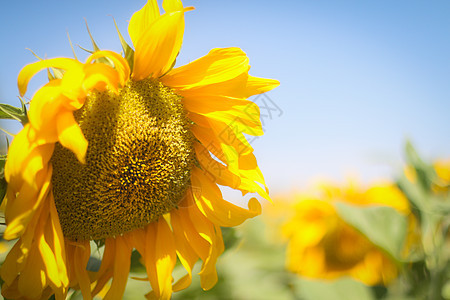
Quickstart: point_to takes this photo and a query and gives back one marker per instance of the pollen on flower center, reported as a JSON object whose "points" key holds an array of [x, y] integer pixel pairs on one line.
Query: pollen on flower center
{"points": [[137, 167]]}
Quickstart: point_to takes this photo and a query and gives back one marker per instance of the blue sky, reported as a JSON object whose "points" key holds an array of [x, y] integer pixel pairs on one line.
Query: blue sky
{"points": [[357, 77]]}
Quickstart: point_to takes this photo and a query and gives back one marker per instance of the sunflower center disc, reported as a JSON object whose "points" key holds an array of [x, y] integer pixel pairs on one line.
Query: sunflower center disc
{"points": [[137, 167]]}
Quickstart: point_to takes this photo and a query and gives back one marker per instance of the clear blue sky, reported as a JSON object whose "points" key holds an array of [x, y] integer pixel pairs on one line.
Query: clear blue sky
{"points": [[357, 77]]}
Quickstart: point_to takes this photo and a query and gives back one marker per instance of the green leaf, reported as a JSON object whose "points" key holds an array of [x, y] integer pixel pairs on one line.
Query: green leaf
{"points": [[425, 173], [416, 195], [3, 183], [383, 225], [10, 112], [3, 186], [343, 289]]}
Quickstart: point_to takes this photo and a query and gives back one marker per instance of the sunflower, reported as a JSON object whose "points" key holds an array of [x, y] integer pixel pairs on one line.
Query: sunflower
{"points": [[322, 245], [129, 152]]}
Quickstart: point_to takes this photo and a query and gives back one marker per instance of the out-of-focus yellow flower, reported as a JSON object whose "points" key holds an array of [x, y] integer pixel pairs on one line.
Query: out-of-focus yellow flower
{"points": [[322, 245], [442, 168]]}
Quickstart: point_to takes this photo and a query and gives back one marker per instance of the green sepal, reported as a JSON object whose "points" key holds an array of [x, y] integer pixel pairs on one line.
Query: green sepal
{"points": [[71, 46], [11, 112], [103, 60], [3, 183], [127, 50]]}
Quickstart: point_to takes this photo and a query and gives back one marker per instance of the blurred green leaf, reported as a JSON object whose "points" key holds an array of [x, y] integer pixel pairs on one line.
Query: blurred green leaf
{"points": [[3, 183], [343, 289], [416, 195], [425, 173], [136, 266], [383, 225]]}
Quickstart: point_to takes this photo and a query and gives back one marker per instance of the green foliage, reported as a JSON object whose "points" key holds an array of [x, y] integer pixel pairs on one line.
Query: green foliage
{"points": [[3, 184], [432, 209], [10, 112], [127, 50], [383, 225]]}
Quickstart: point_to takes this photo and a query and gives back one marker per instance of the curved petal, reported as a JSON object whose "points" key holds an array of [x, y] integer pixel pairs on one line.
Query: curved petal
{"points": [[99, 76], [31, 280], [219, 65], [122, 260], [256, 85], [172, 5], [30, 70], [19, 211], [142, 19], [106, 270], [80, 260], [186, 254], [164, 259], [120, 64], [215, 208], [11, 267], [70, 135], [158, 46], [205, 239], [215, 169]]}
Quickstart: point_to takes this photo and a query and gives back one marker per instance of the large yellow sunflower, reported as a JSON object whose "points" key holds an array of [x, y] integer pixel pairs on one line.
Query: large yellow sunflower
{"points": [[130, 151]]}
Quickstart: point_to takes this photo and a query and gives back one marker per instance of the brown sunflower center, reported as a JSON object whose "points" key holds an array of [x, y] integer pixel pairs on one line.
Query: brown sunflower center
{"points": [[137, 167]]}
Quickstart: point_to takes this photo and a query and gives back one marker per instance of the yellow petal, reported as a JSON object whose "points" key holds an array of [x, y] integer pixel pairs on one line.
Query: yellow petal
{"points": [[70, 135], [45, 104], [80, 260], [11, 268], [157, 48], [122, 260], [150, 256], [99, 77], [141, 20], [56, 241], [172, 5], [186, 254], [30, 70], [51, 268], [166, 258], [219, 65], [106, 270], [256, 85], [120, 64], [219, 211], [32, 279], [205, 239], [20, 210], [215, 169]]}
